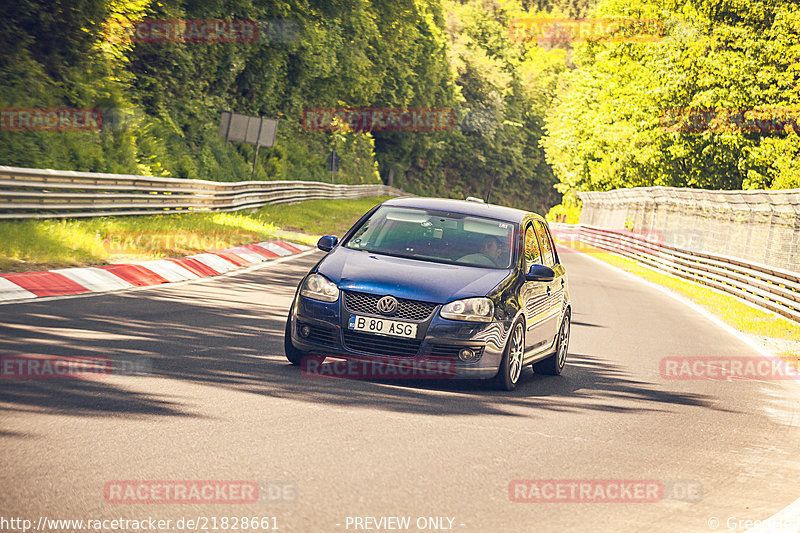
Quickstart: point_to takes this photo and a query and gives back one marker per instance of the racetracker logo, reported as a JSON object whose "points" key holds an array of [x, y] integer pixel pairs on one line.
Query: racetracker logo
{"points": [[82, 367], [543, 30], [183, 31], [584, 240], [379, 118], [727, 368], [50, 119], [731, 120], [580, 240], [160, 492], [136, 241], [603, 490], [314, 367]]}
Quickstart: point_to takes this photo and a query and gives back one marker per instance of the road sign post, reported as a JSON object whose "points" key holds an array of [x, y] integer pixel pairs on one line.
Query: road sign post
{"points": [[333, 163], [258, 131]]}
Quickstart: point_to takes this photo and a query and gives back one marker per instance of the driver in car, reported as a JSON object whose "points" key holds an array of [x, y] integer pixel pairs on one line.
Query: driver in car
{"points": [[491, 248]]}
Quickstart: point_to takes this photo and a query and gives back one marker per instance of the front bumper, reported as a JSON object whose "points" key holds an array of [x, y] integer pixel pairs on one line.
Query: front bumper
{"points": [[438, 339]]}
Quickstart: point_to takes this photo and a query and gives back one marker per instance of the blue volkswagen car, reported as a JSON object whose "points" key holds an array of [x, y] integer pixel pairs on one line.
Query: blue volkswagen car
{"points": [[422, 279]]}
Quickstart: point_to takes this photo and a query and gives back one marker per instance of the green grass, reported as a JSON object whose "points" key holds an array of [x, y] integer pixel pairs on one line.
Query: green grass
{"points": [[32, 245], [732, 311], [564, 214]]}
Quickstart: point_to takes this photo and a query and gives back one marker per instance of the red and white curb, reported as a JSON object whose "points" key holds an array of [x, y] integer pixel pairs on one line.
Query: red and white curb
{"points": [[70, 281]]}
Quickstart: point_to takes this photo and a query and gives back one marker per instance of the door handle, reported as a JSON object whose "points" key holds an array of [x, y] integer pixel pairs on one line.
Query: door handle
{"points": [[562, 282], [548, 289]]}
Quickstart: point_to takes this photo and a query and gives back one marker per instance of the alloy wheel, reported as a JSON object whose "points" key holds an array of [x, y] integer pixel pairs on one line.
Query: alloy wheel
{"points": [[515, 353]]}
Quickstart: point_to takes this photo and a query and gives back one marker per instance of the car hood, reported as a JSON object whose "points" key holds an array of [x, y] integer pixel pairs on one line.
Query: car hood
{"points": [[407, 278]]}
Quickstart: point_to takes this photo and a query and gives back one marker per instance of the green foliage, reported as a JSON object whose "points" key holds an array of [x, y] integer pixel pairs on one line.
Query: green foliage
{"points": [[582, 116], [162, 101], [564, 214], [608, 126], [503, 88]]}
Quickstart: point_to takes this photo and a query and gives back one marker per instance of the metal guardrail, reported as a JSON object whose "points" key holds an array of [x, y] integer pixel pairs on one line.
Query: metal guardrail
{"points": [[42, 193], [761, 226], [764, 286]]}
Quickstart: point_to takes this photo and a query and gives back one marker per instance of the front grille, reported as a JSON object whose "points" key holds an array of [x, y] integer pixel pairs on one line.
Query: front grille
{"points": [[361, 302], [320, 335], [380, 345], [447, 350]]}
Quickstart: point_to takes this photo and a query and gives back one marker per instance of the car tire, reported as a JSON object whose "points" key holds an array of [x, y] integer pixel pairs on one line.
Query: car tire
{"points": [[511, 364], [294, 355], [554, 364]]}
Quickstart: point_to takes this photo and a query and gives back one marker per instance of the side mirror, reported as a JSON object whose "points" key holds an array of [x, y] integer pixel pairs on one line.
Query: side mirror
{"points": [[327, 242], [540, 273]]}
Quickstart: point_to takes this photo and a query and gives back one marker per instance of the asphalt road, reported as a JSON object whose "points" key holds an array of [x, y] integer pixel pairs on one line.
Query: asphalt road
{"points": [[219, 402]]}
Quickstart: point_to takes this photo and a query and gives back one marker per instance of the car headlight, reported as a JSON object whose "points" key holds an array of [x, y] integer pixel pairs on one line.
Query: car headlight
{"points": [[472, 309], [318, 287]]}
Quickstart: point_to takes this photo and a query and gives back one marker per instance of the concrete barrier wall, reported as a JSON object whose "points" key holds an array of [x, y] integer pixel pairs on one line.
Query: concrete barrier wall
{"points": [[758, 226]]}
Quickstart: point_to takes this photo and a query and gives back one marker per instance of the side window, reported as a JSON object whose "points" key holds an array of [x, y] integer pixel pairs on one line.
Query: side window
{"points": [[547, 244], [532, 253]]}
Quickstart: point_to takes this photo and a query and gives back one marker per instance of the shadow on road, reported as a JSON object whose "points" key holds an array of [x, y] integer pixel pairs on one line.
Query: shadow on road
{"points": [[228, 333]]}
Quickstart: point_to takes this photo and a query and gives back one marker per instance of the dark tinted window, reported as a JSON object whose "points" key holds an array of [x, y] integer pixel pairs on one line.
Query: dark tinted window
{"points": [[533, 255], [547, 245], [436, 236]]}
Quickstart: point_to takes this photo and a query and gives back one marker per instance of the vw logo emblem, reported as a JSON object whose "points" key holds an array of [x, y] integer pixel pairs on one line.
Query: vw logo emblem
{"points": [[387, 305]]}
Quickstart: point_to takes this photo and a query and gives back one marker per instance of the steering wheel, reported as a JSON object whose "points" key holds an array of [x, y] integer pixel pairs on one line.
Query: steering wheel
{"points": [[478, 259]]}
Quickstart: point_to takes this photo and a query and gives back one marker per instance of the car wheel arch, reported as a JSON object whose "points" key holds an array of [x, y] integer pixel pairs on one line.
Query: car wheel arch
{"points": [[519, 316]]}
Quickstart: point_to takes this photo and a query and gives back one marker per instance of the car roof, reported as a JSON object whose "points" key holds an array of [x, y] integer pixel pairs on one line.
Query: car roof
{"points": [[508, 214]]}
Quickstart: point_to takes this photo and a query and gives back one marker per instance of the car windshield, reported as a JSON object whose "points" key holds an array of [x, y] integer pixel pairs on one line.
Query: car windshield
{"points": [[437, 236]]}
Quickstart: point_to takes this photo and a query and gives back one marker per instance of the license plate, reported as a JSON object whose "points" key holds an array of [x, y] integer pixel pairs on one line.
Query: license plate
{"points": [[382, 326]]}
